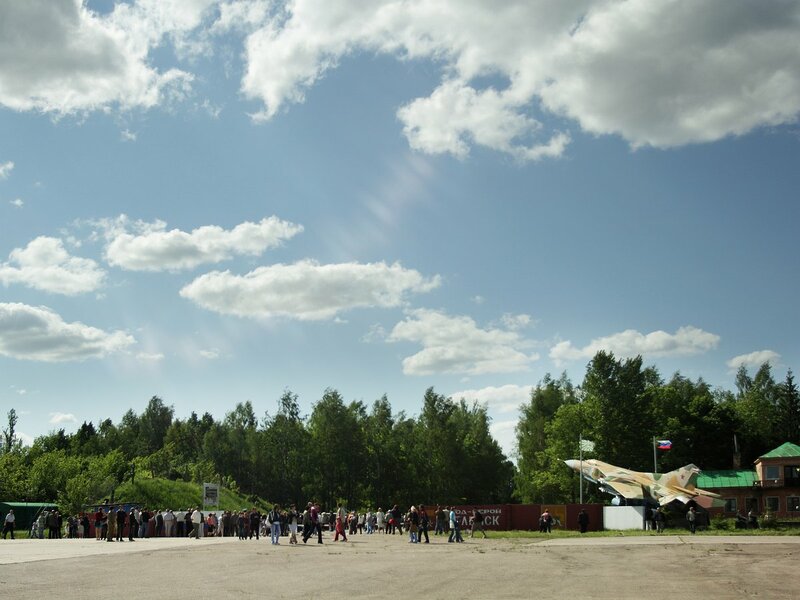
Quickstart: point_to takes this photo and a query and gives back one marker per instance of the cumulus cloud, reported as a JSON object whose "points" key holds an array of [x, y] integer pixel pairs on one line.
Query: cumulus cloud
{"points": [[241, 15], [38, 333], [456, 345], [754, 360], [153, 357], [307, 290], [659, 73], [211, 354], [58, 56], [59, 418], [516, 321], [141, 246], [17, 202], [686, 341], [503, 399], [506, 435], [44, 264], [5, 169]]}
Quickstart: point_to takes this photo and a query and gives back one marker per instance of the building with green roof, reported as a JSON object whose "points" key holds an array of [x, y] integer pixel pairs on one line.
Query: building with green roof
{"points": [[773, 486]]}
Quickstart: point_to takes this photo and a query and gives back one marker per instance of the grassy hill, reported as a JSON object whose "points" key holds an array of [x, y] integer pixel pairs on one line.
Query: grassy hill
{"points": [[162, 493]]}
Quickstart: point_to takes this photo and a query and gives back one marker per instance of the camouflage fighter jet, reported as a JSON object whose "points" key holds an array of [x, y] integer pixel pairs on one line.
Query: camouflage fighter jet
{"points": [[633, 485]]}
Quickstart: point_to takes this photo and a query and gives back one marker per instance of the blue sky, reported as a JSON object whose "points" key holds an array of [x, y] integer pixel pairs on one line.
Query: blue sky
{"points": [[213, 201]]}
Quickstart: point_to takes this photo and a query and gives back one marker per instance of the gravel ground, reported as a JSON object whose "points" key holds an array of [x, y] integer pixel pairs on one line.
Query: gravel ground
{"points": [[381, 566]]}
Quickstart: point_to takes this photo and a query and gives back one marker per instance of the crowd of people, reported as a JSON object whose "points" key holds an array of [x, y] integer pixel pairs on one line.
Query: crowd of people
{"points": [[116, 523]]}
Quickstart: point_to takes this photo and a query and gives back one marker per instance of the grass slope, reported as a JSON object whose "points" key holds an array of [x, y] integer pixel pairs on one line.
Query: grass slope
{"points": [[178, 495]]}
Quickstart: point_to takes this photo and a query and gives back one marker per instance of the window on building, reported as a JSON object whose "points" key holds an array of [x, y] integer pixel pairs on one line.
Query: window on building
{"points": [[772, 504], [793, 503], [731, 505], [772, 472], [752, 504], [791, 475]]}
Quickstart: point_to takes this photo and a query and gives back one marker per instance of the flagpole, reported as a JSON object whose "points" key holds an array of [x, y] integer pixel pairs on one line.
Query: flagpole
{"points": [[655, 460], [580, 475]]}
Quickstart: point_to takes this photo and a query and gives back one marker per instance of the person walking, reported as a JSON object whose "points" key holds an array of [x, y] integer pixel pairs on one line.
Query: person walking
{"points": [[255, 522], [424, 522], [274, 519], [197, 523], [440, 519], [120, 523], [380, 523], [413, 525], [9, 524], [339, 529], [691, 516], [112, 525], [477, 523], [455, 530], [133, 525], [545, 522], [583, 520], [292, 517], [169, 523]]}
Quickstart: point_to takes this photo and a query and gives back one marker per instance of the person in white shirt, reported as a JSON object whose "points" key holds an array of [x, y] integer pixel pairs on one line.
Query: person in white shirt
{"points": [[197, 523], [379, 520], [9, 524], [169, 523]]}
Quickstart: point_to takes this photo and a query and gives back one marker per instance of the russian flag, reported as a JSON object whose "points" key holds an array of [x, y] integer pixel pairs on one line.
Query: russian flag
{"points": [[664, 444]]}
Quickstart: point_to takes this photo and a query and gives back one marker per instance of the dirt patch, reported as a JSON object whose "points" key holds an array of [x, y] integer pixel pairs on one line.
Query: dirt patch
{"points": [[380, 566]]}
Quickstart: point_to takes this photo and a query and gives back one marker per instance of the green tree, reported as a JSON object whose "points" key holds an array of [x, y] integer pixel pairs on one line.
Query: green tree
{"points": [[284, 444], [756, 411], [9, 433], [338, 450], [620, 393], [700, 427], [153, 425], [788, 410], [532, 437]]}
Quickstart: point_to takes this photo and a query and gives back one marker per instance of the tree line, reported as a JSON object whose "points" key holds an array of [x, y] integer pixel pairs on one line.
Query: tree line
{"points": [[621, 406], [371, 455], [349, 452]]}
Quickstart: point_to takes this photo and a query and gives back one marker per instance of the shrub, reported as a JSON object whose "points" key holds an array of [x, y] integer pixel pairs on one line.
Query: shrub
{"points": [[719, 522]]}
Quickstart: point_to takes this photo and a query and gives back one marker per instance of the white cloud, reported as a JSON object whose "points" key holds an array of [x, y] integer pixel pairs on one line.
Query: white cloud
{"points": [[506, 435], [152, 248], [503, 399], [27, 440], [58, 56], [5, 169], [44, 264], [241, 15], [17, 202], [126, 135], [515, 322], [306, 290], [659, 73], [153, 357], [456, 345], [211, 354], [59, 418], [686, 341], [455, 116], [38, 333], [754, 360], [376, 333]]}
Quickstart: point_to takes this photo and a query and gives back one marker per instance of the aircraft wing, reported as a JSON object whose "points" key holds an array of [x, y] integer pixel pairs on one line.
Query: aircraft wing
{"points": [[626, 490], [666, 499]]}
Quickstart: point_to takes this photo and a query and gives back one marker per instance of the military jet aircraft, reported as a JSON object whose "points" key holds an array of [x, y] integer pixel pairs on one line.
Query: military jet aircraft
{"points": [[633, 485]]}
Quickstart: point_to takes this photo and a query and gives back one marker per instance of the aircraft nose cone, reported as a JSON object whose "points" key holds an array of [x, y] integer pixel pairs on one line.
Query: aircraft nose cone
{"points": [[573, 464]]}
